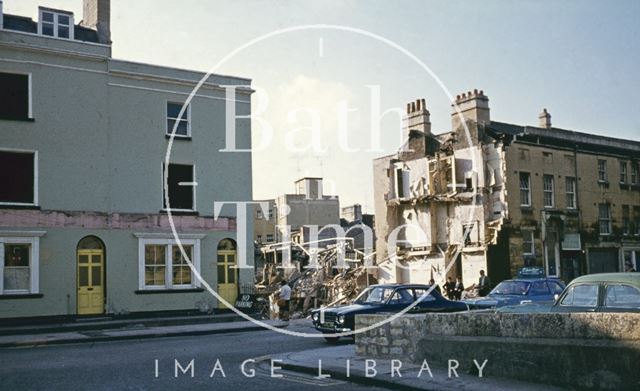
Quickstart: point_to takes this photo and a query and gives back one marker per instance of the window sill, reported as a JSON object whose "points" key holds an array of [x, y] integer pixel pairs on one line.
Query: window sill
{"points": [[180, 212], [603, 183], [9, 296], [12, 206], [161, 291], [178, 137], [18, 119], [526, 209]]}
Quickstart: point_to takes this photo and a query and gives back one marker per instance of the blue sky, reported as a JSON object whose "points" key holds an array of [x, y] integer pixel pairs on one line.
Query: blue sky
{"points": [[579, 59]]}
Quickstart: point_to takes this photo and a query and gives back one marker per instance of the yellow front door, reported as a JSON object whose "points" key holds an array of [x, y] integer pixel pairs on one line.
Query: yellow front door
{"points": [[227, 277], [90, 282]]}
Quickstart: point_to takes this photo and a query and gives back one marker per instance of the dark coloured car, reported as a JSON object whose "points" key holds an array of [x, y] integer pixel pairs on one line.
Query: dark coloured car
{"points": [[604, 292], [530, 287], [384, 298]]}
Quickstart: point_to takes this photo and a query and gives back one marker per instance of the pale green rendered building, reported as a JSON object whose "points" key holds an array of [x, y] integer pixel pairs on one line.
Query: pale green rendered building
{"points": [[83, 138]]}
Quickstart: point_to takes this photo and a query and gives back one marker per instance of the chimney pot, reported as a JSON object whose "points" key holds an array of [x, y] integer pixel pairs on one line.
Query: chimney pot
{"points": [[544, 119], [474, 106], [417, 118]]}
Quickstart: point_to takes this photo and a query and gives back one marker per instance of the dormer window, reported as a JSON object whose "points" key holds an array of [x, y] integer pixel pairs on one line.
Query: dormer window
{"points": [[56, 24]]}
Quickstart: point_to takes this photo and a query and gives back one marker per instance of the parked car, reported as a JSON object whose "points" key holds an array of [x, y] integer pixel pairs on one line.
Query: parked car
{"points": [[605, 292], [531, 286], [384, 298]]}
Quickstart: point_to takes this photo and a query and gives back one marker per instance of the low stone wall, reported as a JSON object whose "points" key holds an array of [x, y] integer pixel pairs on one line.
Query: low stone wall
{"points": [[586, 350]]}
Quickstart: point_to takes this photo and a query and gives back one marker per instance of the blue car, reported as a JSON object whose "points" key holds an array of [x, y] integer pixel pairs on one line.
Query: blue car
{"points": [[531, 286], [387, 298]]}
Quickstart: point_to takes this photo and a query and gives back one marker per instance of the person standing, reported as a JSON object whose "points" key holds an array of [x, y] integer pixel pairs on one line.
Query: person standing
{"points": [[284, 300], [484, 284], [449, 287], [458, 288], [437, 288]]}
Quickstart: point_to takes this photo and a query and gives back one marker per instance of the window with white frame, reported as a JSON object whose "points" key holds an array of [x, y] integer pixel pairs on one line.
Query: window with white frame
{"points": [[623, 172], [259, 214], [259, 238], [19, 263], [604, 218], [183, 128], [269, 238], [18, 177], [181, 187], [636, 221], [602, 170], [626, 223], [525, 189], [528, 247], [401, 182], [634, 173], [56, 24], [631, 260], [548, 197], [571, 192], [15, 96], [163, 264]]}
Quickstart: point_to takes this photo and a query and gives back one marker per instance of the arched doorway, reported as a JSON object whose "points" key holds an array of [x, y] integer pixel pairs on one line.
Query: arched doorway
{"points": [[91, 276], [227, 272]]}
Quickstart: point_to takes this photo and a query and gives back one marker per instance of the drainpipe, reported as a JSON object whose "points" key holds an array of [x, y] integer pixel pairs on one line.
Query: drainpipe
{"points": [[575, 170]]}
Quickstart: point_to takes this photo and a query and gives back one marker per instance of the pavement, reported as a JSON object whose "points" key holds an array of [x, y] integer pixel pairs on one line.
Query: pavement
{"points": [[102, 330], [333, 362]]}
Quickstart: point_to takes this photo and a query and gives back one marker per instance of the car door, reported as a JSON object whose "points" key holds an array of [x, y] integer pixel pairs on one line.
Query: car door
{"points": [[400, 299], [428, 301], [579, 298], [620, 298]]}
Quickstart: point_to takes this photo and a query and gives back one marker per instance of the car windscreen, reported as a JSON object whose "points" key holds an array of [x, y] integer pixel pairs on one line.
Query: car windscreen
{"points": [[511, 288], [374, 295]]}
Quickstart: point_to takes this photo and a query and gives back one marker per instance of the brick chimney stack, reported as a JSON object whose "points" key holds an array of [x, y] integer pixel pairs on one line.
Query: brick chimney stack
{"points": [[544, 119], [416, 118], [97, 16], [474, 106]]}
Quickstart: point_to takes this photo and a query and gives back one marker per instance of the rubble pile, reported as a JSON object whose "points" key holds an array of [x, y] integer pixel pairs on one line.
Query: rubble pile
{"points": [[316, 281]]}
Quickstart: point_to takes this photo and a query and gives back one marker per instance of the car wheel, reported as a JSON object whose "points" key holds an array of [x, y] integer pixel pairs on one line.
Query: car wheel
{"points": [[331, 339]]}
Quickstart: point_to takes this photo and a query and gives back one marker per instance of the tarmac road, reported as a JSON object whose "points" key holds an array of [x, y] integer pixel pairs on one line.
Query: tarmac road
{"points": [[131, 365]]}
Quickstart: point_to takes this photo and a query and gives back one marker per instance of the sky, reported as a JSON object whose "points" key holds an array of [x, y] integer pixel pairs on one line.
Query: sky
{"points": [[578, 59]]}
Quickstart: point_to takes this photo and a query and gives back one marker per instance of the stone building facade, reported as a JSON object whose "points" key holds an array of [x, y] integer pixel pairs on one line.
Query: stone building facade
{"points": [[574, 200]]}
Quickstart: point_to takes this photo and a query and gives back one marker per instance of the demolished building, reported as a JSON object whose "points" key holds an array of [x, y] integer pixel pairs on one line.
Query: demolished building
{"points": [[497, 196], [441, 196]]}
